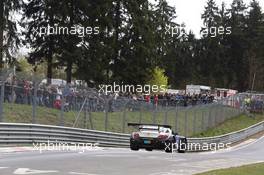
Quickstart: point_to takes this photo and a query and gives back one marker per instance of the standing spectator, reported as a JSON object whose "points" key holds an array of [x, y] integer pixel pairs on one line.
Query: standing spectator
{"points": [[57, 104], [147, 97], [13, 92], [156, 98], [26, 92]]}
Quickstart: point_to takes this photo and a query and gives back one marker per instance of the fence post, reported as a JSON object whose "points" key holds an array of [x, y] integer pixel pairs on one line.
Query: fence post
{"points": [[91, 120], [217, 114], [154, 116], [224, 114], [194, 121], [214, 116], [2, 97], [185, 124], [62, 111], [140, 114], [85, 118], [203, 121], [176, 119], [78, 115], [35, 90], [106, 114], [2, 101], [124, 121], [209, 117], [88, 111], [166, 117], [65, 93], [221, 113]]}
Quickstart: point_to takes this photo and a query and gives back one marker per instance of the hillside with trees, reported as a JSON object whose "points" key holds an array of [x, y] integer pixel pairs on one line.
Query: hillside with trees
{"points": [[130, 40]]}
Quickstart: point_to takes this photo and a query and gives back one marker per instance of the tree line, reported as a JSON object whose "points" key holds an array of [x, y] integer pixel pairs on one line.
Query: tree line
{"points": [[133, 40]]}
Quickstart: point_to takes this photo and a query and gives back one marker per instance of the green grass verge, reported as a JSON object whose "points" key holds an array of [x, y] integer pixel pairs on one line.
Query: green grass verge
{"points": [[231, 125], [16, 113], [254, 169]]}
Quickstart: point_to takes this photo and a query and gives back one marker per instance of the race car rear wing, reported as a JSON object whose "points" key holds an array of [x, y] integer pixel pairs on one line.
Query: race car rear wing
{"points": [[141, 124]]}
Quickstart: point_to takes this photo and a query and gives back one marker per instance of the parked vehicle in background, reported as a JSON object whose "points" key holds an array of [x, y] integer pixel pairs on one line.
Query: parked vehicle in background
{"points": [[197, 89]]}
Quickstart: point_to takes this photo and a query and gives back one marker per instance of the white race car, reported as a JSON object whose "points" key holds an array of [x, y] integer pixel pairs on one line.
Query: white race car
{"points": [[151, 136]]}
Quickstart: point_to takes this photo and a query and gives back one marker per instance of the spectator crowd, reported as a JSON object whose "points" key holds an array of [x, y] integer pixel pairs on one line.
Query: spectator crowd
{"points": [[72, 98]]}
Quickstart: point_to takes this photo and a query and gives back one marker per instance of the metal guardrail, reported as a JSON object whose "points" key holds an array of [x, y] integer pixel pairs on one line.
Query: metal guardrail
{"points": [[230, 138], [17, 133]]}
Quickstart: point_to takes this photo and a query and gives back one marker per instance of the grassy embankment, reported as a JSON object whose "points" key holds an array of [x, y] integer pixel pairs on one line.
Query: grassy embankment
{"points": [[254, 169], [193, 116]]}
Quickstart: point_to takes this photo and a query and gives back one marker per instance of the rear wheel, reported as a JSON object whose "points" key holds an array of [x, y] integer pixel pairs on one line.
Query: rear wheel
{"points": [[134, 147]]}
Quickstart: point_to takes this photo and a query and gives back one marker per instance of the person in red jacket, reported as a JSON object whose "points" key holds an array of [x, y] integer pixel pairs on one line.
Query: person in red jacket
{"points": [[156, 98], [147, 98], [57, 104]]}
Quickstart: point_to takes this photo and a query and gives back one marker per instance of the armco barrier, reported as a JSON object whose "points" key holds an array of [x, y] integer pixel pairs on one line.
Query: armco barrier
{"points": [[230, 138], [17, 133]]}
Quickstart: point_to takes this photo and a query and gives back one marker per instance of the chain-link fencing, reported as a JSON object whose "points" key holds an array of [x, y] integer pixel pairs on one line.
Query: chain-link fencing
{"points": [[24, 99]]}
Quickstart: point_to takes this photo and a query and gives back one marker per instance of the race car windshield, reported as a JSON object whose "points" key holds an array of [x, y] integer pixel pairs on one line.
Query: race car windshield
{"points": [[149, 128]]}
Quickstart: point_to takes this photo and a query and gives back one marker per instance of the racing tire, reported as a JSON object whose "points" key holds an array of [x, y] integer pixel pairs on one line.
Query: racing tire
{"points": [[149, 149], [134, 147]]}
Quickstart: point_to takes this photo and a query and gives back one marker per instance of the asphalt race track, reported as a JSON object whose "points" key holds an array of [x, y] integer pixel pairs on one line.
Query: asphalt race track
{"points": [[111, 161]]}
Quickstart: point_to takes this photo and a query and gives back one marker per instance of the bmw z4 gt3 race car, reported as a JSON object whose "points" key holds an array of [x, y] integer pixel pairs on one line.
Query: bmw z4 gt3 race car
{"points": [[161, 137]]}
